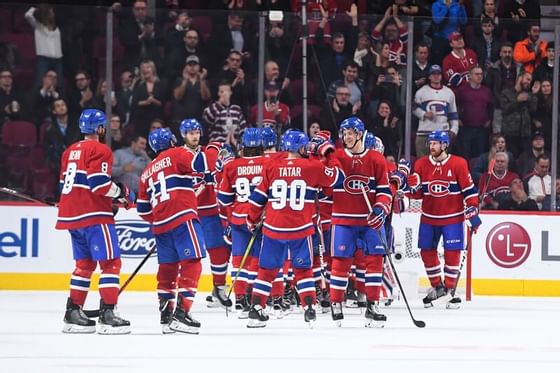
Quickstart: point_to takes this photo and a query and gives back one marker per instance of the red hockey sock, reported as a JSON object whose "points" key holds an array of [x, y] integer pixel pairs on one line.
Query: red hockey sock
{"points": [[432, 265], [240, 285], [360, 263], [451, 269], [374, 276], [317, 270], [167, 281], [219, 258], [278, 285], [339, 278], [305, 285], [109, 280], [189, 274], [263, 285], [80, 280]]}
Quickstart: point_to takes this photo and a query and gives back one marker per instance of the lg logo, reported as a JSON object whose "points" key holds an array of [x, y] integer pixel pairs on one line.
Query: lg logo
{"points": [[508, 245]]}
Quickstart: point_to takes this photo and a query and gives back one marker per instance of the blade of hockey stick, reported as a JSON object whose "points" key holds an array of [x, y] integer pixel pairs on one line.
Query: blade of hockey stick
{"points": [[17, 194], [417, 323]]}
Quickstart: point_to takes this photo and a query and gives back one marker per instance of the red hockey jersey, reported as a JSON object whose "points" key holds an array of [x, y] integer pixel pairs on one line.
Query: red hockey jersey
{"points": [[239, 179], [207, 201], [288, 193], [446, 188], [367, 169], [496, 185], [85, 179], [456, 68], [166, 196]]}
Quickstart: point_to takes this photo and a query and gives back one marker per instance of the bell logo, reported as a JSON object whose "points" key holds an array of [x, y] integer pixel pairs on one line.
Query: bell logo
{"points": [[508, 245]]}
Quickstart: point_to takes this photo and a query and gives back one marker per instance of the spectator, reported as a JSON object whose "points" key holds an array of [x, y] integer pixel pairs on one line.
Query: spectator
{"points": [[436, 109], [363, 56], [489, 12], [225, 120], [494, 185], [11, 100], [140, 36], [421, 67], [174, 37], [475, 124], [116, 132], [156, 123], [381, 60], [526, 161], [392, 31], [548, 198], [447, 18], [486, 44], [501, 75], [355, 85], [191, 92], [334, 56], [539, 182], [147, 98], [518, 105], [99, 101], [458, 63], [272, 73], [175, 61], [497, 144], [42, 99], [124, 96], [386, 126], [48, 44], [82, 94], [129, 163], [62, 131], [517, 199], [519, 14], [530, 51], [276, 114], [388, 87], [280, 41], [546, 69], [542, 120], [335, 111], [314, 128], [231, 36], [235, 76]]}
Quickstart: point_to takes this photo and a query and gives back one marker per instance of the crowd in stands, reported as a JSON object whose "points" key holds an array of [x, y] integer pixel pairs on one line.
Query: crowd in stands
{"points": [[482, 70]]}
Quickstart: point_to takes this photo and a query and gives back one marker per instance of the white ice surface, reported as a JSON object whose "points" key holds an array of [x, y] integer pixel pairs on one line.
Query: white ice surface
{"points": [[510, 334]]}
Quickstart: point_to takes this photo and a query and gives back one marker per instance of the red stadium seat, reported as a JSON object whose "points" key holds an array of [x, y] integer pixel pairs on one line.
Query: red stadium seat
{"points": [[19, 133], [296, 91], [203, 24]]}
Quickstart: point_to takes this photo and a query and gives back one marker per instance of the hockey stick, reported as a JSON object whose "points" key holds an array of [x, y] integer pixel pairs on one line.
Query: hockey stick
{"points": [[463, 259], [95, 313], [321, 246], [418, 323], [17, 194]]}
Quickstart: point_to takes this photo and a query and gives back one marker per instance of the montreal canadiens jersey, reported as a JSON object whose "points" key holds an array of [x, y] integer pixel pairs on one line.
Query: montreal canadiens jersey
{"points": [[85, 178], [496, 185], [446, 188], [365, 170], [166, 196], [442, 103], [288, 193], [239, 179], [207, 202], [456, 68]]}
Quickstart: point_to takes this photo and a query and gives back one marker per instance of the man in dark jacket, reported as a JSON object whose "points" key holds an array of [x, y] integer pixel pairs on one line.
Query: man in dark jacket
{"points": [[335, 111]]}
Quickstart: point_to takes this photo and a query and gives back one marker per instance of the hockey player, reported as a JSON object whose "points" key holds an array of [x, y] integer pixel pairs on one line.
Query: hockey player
{"points": [[351, 220], [287, 196], [167, 200], [239, 179], [219, 254], [446, 188], [85, 210]]}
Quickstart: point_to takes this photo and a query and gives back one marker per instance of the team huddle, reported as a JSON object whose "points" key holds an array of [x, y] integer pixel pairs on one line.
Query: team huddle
{"points": [[305, 225]]}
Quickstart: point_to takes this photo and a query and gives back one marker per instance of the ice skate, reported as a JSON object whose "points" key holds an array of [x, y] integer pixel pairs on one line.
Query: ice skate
{"points": [[110, 322], [336, 313], [309, 315], [278, 307], [361, 301], [166, 311], [76, 321], [351, 297], [374, 319], [436, 296], [242, 306], [183, 322], [257, 316], [324, 300], [218, 298], [454, 303]]}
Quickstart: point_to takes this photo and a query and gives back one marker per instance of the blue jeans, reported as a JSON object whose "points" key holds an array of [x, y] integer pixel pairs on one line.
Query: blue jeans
{"points": [[46, 63]]}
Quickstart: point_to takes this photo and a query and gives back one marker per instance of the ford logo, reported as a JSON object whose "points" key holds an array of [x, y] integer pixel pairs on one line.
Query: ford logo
{"points": [[135, 238]]}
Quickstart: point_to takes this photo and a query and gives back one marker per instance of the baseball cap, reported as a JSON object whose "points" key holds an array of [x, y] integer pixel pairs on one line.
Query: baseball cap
{"points": [[434, 69], [271, 85], [455, 36], [537, 135], [193, 59]]}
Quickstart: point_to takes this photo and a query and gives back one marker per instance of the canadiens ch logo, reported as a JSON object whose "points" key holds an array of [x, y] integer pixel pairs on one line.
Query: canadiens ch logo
{"points": [[439, 188], [353, 184]]}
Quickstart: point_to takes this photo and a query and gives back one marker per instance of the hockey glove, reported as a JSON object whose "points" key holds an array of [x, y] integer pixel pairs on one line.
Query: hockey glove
{"points": [[317, 141], [227, 234], [471, 214], [398, 178], [414, 182], [404, 166], [126, 196], [376, 217], [251, 226], [225, 155]]}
